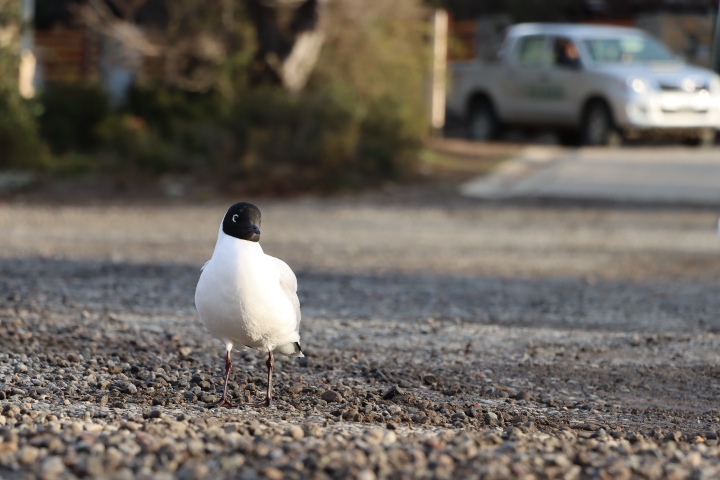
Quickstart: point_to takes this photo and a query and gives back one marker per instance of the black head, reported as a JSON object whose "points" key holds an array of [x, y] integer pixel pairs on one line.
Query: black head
{"points": [[242, 221]]}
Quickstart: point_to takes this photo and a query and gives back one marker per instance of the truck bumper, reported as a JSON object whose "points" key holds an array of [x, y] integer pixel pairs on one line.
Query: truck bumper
{"points": [[669, 112]]}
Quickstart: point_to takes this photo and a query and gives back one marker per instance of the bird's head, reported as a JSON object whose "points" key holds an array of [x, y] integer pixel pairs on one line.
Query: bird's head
{"points": [[242, 221]]}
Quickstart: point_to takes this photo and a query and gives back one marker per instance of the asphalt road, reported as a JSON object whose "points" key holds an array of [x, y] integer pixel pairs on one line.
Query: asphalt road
{"points": [[667, 175]]}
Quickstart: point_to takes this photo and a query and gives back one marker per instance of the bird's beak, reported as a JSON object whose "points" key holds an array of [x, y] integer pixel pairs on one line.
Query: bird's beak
{"points": [[255, 229]]}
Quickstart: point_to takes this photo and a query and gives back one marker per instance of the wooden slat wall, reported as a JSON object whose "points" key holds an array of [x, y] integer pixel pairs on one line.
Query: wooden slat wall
{"points": [[67, 55], [461, 41]]}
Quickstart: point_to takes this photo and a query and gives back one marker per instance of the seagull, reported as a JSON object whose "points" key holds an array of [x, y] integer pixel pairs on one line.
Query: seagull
{"points": [[245, 297]]}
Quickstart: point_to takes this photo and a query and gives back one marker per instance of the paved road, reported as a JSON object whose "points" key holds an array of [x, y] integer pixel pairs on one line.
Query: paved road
{"points": [[648, 175]]}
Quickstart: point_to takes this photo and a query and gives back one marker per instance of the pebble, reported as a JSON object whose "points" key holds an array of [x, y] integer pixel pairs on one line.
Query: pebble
{"points": [[296, 432], [27, 455], [51, 468], [331, 396], [393, 392]]}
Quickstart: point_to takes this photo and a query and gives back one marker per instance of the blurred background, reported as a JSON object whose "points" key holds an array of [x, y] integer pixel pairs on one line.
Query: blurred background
{"points": [[273, 96]]}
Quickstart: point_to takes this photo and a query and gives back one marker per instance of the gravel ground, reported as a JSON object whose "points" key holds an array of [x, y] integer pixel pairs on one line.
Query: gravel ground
{"points": [[444, 339]]}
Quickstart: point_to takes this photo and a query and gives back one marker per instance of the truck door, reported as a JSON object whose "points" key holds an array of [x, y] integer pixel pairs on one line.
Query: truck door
{"points": [[565, 83], [525, 83]]}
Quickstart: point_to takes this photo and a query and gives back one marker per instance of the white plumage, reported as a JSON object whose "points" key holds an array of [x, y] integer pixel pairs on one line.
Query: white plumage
{"points": [[245, 297]]}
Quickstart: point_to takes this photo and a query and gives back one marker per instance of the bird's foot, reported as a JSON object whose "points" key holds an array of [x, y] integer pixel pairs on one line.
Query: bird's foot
{"points": [[222, 403], [267, 403]]}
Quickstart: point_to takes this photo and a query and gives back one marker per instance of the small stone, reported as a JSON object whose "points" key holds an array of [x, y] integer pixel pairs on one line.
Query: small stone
{"points": [[393, 392], [391, 426], [474, 412], [273, 473], [94, 427], [18, 392], [21, 368], [458, 416], [294, 389], [94, 467], [296, 432], [155, 414], [331, 396], [185, 351], [351, 415], [522, 395], [429, 379], [313, 430], [51, 468], [131, 388], [514, 433], [366, 474], [28, 454]]}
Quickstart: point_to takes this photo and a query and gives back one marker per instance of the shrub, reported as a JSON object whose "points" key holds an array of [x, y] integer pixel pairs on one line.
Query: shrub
{"points": [[19, 142], [359, 121], [71, 115]]}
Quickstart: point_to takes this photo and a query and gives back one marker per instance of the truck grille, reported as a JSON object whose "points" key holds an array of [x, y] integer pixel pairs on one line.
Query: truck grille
{"points": [[667, 87]]}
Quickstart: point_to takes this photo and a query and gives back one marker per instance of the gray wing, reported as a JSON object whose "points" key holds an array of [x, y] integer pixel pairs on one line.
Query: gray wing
{"points": [[288, 282]]}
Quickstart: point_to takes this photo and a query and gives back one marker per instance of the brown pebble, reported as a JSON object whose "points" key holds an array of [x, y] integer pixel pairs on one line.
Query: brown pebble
{"points": [[331, 396]]}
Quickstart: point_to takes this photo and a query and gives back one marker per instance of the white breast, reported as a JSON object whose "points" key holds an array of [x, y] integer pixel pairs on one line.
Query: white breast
{"points": [[239, 297]]}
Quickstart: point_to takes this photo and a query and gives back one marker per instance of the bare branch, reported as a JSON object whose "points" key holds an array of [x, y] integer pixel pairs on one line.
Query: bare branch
{"points": [[98, 16]]}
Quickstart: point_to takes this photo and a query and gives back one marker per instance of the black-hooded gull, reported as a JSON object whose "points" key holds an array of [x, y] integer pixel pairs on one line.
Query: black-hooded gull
{"points": [[245, 297]]}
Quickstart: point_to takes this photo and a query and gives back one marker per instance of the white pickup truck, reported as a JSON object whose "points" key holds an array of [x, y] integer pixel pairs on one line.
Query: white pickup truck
{"points": [[593, 85]]}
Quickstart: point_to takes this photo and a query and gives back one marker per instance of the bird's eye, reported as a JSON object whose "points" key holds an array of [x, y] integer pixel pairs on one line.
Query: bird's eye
{"points": [[235, 218]]}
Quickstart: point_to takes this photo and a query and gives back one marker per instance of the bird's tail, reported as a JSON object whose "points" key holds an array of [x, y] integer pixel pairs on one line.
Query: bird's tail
{"points": [[290, 349]]}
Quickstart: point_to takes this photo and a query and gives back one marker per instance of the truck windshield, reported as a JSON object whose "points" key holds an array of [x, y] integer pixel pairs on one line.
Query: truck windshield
{"points": [[627, 50]]}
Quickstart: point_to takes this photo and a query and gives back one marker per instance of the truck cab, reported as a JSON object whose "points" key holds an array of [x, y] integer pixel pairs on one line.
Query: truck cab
{"points": [[592, 84]]}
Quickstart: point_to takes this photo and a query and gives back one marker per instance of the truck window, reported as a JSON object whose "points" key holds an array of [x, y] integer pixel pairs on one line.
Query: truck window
{"points": [[565, 53], [627, 50], [531, 50]]}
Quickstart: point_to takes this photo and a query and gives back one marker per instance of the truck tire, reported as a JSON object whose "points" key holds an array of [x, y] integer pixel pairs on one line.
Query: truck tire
{"points": [[482, 124], [598, 128]]}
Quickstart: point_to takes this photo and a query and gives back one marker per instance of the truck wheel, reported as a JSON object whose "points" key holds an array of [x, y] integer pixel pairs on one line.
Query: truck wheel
{"points": [[482, 122], [598, 127]]}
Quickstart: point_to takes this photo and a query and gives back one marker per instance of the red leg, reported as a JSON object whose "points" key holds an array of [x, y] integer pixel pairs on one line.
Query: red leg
{"points": [[267, 403], [224, 401]]}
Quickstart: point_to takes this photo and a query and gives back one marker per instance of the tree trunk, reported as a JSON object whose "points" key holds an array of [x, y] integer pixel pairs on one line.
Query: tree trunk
{"points": [[287, 54]]}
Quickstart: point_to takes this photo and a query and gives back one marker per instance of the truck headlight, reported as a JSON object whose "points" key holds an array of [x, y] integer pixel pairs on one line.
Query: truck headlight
{"points": [[638, 85]]}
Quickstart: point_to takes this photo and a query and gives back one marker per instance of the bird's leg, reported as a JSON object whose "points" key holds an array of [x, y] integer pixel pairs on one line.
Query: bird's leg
{"points": [[224, 401], [267, 403]]}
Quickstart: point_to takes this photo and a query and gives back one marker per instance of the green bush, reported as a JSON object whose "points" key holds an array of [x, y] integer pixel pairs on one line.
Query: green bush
{"points": [[359, 121], [20, 146], [19, 142], [71, 115]]}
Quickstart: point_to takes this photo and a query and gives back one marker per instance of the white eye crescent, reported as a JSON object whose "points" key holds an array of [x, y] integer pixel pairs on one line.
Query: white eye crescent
{"points": [[234, 218]]}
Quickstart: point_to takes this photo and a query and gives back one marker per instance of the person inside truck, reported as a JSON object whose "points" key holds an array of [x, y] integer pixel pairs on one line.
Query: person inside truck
{"points": [[566, 53]]}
